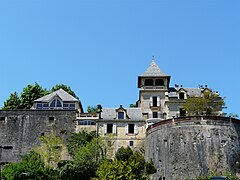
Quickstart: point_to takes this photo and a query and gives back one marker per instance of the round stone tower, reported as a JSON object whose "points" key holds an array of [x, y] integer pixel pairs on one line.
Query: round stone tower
{"points": [[188, 147]]}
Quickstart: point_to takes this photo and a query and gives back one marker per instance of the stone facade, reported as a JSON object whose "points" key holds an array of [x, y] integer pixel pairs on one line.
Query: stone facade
{"points": [[185, 148], [20, 129]]}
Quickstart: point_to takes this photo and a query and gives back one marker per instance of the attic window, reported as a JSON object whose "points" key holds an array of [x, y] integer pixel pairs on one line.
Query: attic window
{"points": [[120, 115], [148, 82], [159, 82], [56, 103]]}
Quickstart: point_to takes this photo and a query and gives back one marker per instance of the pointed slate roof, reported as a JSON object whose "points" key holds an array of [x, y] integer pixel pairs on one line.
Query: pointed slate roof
{"points": [[63, 95], [154, 71]]}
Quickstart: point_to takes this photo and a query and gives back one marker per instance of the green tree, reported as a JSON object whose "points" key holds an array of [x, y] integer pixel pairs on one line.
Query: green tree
{"points": [[51, 149], [65, 88], [31, 93], [124, 153], [125, 167], [13, 102], [77, 140], [30, 167], [92, 109], [209, 103]]}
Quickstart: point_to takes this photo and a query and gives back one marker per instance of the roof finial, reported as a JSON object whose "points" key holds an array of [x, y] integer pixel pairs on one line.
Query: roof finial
{"points": [[153, 59]]}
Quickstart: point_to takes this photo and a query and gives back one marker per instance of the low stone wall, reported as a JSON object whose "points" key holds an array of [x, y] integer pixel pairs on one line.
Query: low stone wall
{"points": [[20, 129], [188, 147]]}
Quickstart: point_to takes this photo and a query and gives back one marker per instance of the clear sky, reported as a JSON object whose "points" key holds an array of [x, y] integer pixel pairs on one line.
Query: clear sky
{"points": [[99, 47]]}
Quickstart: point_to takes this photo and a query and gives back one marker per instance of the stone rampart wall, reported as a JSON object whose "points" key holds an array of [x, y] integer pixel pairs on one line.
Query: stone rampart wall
{"points": [[185, 148], [20, 129]]}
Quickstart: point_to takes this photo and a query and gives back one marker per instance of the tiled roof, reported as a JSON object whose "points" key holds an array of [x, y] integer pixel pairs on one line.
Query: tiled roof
{"points": [[132, 113], [153, 70], [63, 95], [190, 92]]}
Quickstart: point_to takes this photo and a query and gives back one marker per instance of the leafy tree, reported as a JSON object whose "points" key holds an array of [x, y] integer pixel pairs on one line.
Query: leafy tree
{"points": [[51, 149], [134, 167], [209, 103], [30, 167], [78, 140], [13, 102], [124, 153], [86, 160], [92, 109], [31, 93], [65, 88]]}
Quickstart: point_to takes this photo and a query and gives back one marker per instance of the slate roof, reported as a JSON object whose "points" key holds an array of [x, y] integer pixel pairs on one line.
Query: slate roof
{"points": [[173, 92], [132, 113], [63, 95], [154, 71]]}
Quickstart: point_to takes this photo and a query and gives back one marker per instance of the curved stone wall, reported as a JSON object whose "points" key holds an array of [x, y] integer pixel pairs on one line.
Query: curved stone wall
{"points": [[185, 148]]}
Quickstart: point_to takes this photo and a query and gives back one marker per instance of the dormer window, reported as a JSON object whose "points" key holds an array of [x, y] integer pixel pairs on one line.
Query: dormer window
{"points": [[148, 82], [159, 82], [181, 95], [120, 115], [55, 103]]}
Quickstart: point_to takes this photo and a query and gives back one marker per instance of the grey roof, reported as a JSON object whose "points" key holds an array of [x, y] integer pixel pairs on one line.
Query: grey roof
{"points": [[63, 95], [154, 71], [132, 113], [173, 92]]}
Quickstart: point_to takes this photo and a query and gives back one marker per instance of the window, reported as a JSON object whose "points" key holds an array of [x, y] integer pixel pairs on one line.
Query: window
{"points": [[87, 122], [120, 115], [181, 95], [68, 106], [148, 82], [39, 105], [131, 128], [110, 128], [55, 103], [154, 101], [155, 114], [159, 82], [182, 112], [2, 118], [130, 143], [51, 119]]}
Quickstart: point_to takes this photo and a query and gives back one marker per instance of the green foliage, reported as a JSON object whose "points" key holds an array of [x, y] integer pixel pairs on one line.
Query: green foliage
{"points": [[229, 175], [31, 93], [124, 153], [92, 109], [13, 102], [51, 149], [86, 160], [209, 103], [132, 105], [77, 140], [65, 88], [30, 167], [134, 167]]}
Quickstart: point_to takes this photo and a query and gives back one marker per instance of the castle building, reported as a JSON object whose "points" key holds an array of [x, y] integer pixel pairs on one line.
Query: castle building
{"points": [[157, 102]]}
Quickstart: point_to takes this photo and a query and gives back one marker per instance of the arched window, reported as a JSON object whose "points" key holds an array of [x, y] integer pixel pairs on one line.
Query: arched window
{"points": [[55, 103], [159, 82], [148, 82]]}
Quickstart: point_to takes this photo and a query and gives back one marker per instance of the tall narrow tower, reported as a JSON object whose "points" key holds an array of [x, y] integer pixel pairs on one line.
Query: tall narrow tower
{"points": [[154, 86]]}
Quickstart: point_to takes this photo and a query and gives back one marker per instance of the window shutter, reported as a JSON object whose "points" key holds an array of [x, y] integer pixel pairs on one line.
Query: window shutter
{"points": [[126, 129], [151, 101], [158, 101], [105, 128], [135, 128], [114, 128]]}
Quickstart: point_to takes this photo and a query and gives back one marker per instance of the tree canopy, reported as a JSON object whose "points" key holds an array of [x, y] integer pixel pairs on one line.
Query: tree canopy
{"points": [[209, 103], [31, 93], [30, 167]]}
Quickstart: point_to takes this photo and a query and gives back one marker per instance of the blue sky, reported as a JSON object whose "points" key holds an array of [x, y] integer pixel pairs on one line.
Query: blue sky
{"points": [[99, 47]]}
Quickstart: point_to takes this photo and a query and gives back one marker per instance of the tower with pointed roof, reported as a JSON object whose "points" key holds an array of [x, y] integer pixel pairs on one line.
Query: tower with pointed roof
{"points": [[153, 85]]}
